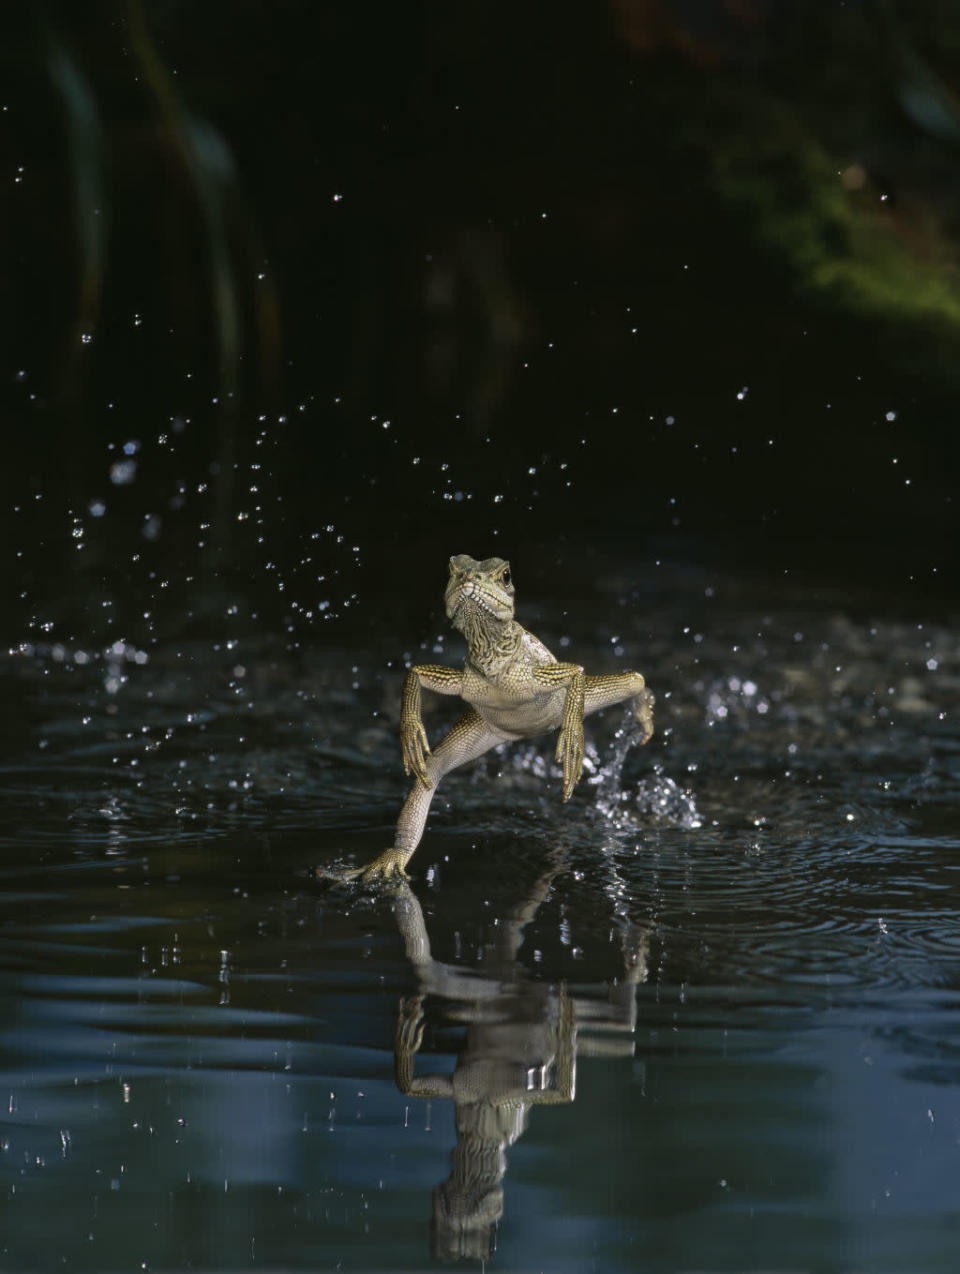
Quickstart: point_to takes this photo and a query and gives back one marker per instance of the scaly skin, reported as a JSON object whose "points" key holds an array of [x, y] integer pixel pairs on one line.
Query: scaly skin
{"points": [[514, 689]]}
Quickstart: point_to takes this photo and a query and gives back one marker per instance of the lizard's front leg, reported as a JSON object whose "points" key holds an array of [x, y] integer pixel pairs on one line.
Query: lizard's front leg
{"points": [[413, 737], [570, 739]]}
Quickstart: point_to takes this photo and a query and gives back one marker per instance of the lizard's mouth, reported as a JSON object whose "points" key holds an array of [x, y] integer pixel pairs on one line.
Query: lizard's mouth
{"points": [[470, 600]]}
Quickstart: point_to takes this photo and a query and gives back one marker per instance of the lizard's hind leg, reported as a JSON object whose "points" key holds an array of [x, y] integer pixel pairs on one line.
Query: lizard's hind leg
{"points": [[468, 739], [604, 690]]}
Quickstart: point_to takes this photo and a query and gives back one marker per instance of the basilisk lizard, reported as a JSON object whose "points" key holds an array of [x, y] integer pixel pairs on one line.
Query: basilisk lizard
{"points": [[514, 688]]}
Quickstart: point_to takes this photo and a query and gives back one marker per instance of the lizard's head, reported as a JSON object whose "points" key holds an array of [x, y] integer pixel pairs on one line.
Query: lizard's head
{"points": [[479, 594]]}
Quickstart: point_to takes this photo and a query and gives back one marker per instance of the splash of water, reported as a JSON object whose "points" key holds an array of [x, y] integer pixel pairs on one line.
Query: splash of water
{"points": [[658, 798]]}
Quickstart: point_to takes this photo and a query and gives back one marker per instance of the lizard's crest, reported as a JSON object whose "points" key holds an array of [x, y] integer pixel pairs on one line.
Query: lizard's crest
{"points": [[479, 600]]}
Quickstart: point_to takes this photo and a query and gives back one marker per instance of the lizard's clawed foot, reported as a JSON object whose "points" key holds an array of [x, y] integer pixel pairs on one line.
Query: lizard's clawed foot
{"points": [[407, 1039], [409, 1031], [570, 756], [643, 713], [415, 749], [388, 866]]}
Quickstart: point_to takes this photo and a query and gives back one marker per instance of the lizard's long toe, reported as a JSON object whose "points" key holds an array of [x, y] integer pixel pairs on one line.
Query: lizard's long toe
{"points": [[388, 865], [643, 714], [415, 750]]}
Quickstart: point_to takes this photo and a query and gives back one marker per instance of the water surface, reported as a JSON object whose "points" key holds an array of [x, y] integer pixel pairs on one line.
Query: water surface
{"points": [[706, 1016]]}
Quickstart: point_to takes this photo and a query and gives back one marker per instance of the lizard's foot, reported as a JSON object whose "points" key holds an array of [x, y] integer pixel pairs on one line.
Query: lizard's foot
{"points": [[409, 1030], [570, 756], [643, 713], [415, 749], [407, 1039], [388, 866]]}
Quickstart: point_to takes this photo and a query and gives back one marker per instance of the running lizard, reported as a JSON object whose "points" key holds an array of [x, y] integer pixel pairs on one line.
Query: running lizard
{"points": [[514, 688]]}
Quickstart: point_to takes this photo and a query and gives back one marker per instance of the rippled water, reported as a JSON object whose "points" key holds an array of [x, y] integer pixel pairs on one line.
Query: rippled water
{"points": [[727, 973]]}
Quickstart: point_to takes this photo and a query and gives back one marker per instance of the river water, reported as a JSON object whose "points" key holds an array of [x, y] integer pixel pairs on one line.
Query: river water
{"points": [[706, 1016]]}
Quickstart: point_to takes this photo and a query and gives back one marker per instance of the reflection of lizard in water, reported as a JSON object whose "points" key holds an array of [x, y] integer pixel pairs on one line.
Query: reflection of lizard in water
{"points": [[514, 688], [520, 1051]]}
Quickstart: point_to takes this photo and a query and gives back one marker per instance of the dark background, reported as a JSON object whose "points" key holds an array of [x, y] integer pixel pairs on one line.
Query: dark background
{"points": [[363, 286]]}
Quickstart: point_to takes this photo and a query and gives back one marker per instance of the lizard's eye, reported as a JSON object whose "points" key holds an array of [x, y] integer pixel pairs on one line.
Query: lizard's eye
{"points": [[505, 578]]}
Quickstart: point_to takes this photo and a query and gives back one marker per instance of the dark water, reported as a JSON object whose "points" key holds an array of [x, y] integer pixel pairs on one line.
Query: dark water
{"points": [[705, 1017]]}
